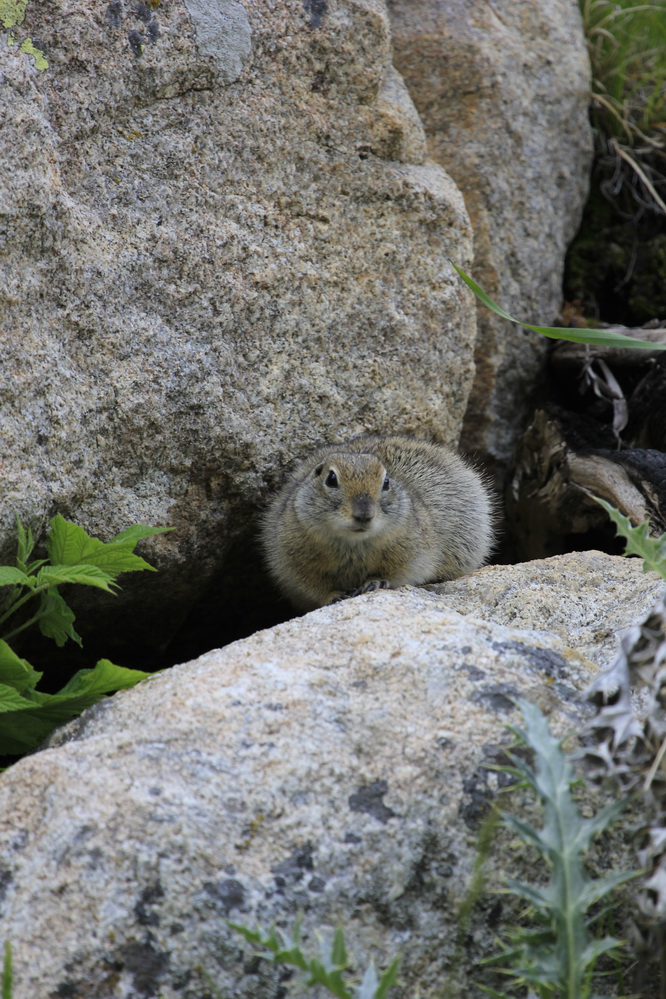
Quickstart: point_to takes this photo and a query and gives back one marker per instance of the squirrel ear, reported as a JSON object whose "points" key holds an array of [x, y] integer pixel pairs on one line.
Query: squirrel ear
{"points": [[318, 469]]}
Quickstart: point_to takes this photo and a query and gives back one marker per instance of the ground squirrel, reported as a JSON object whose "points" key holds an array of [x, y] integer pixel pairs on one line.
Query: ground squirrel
{"points": [[376, 512]]}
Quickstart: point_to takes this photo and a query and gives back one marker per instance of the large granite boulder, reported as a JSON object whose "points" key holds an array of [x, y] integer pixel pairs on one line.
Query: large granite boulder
{"points": [[503, 91], [337, 766], [554, 594], [222, 244]]}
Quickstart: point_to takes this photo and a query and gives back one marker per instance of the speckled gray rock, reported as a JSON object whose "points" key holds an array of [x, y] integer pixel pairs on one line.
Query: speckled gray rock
{"points": [[585, 598], [221, 243], [503, 91], [337, 766]]}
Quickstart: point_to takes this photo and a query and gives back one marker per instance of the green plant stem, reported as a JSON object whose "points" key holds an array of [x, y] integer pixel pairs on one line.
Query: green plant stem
{"points": [[24, 600], [26, 624]]}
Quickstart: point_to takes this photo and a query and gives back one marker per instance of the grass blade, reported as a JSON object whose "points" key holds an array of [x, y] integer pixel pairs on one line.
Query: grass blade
{"points": [[606, 338], [7, 972]]}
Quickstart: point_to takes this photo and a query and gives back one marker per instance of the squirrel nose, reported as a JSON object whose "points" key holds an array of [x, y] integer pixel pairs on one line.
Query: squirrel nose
{"points": [[363, 508]]}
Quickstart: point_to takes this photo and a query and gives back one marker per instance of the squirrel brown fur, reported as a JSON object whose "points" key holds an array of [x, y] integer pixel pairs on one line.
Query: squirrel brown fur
{"points": [[376, 512]]}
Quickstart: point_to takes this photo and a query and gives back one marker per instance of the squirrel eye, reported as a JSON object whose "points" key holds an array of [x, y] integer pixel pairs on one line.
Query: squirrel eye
{"points": [[386, 485], [331, 480]]}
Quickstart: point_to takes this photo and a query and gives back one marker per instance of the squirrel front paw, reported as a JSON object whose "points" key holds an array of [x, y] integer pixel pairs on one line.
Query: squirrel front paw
{"points": [[368, 587]]}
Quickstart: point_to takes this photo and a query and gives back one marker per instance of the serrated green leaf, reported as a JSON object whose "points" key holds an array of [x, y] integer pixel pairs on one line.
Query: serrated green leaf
{"points": [[332, 980], [16, 672], [277, 950], [116, 558], [338, 950], [541, 897], [509, 956], [273, 939], [295, 935], [525, 830], [492, 992], [22, 725], [605, 817], [33, 566], [11, 699], [605, 338], [368, 987], [9, 576], [542, 975], [388, 979], [288, 955], [596, 948], [320, 972], [639, 542], [328, 948], [105, 678], [57, 618], [26, 722], [25, 543], [89, 575], [602, 886], [68, 544], [252, 936], [137, 532], [560, 956]]}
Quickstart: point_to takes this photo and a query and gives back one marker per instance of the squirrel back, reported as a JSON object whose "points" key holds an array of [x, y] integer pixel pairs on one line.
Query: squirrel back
{"points": [[376, 512]]}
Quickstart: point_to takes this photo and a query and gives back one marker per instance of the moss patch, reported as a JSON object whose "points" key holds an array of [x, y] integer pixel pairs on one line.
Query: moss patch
{"points": [[12, 12]]}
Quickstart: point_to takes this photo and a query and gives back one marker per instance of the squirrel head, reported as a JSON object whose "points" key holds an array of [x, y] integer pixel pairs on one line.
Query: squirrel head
{"points": [[348, 495]]}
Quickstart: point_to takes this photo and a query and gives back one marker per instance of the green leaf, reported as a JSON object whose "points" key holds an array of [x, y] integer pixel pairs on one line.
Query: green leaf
{"points": [[326, 972], [557, 957], [332, 980], [252, 936], [525, 830], [25, 543], [388, 979], [596, 948], [68, 544], [605, 817], [57, 618], [22, 727], [90, 575], [7, 972], [27, 721], [639, 542], [368, 987], [605, 338], [16, 672], [540, 898], [9, 576], [12, 700], [601, 887], [34, 566], [138, 531], [277, 950], [338, 950], [105, 678]]}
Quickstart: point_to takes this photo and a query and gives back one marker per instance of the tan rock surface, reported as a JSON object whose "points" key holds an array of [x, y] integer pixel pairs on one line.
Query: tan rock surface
{"points": [[586, 598], [503, 92], [223, 245], [337, 765]]}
